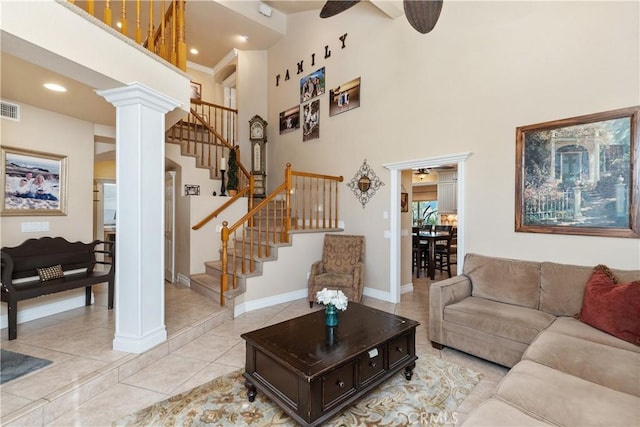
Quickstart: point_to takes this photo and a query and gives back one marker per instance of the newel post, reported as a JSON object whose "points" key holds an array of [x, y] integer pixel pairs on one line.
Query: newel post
{"points": [[224, 279]]}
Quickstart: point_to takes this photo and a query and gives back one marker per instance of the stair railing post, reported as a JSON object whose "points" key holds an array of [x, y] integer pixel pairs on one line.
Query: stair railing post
{"points": [[287, 207], [224, 280]]}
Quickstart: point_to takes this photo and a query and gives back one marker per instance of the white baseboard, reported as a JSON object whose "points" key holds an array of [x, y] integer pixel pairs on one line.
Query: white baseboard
{"points": [[44, 310], [184, 280], [377, 294], [406, 288], [269, 301]]}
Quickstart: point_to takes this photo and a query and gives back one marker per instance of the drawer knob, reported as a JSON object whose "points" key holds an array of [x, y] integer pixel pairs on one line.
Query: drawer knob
{"points": [[340, 383], [373, 364], [399, 350]]}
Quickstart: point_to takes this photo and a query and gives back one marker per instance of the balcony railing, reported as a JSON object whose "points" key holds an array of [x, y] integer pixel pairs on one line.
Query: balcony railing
{"points": [[159, 26]]}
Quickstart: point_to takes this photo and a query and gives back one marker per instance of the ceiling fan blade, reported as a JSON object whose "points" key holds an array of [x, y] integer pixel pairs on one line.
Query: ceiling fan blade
{"points": [[334, 7], [422, 14]]}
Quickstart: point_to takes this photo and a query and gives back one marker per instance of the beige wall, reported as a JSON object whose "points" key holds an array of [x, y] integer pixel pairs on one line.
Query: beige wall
{"points": [[48, 132], [42, 130], [485, 69]]}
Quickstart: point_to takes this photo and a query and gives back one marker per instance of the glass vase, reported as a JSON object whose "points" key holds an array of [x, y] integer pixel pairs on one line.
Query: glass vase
{"points": [[331, 315]]}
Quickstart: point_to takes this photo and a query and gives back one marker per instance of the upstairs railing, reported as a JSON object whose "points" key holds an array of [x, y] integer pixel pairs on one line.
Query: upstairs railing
{"points": [[304, 201], [163, 29], [208, 132]]}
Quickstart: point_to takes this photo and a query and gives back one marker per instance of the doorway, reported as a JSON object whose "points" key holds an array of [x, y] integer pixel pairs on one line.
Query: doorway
{"points": [[395, 220]]}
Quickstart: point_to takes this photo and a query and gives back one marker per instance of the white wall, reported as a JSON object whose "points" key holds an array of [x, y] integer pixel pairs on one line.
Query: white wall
{"points": [[41, 130], [485, 69]]}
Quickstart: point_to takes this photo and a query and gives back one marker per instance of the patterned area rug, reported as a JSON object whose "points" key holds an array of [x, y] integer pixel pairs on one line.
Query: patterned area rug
{"points": [[14, 365], [430, 398]]}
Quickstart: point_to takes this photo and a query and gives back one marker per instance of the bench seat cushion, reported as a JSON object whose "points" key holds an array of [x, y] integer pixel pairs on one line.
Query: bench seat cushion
{"points": [[563, 399], [516, 323], [611, 367], [33, 288]]}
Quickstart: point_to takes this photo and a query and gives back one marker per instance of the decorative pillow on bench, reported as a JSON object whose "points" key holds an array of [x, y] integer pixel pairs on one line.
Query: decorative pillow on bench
{"points": [[50, 273], [611, 306]]}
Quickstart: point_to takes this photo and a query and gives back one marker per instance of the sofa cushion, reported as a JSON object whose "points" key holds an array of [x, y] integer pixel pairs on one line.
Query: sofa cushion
{"points": [[562, 286], [504, 280], [611, 367], [611, 306], [497, 413], [575, 328], [563, 399], [504, 320]]}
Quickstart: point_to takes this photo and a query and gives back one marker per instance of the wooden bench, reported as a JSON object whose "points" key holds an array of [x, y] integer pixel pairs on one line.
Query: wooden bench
{"points": [[20, 264]]}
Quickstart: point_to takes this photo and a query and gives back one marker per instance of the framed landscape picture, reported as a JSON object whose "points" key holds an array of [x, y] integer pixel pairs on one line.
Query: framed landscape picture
{"points": [[579, 175], [33, 183]]}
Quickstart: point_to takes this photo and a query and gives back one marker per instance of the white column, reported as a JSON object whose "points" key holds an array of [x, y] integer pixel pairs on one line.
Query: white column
{"points": [[140, 139]]}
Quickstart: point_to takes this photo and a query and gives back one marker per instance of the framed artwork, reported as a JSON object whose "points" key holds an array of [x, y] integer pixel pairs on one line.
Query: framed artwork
{"points": [[191, 190], [196, 91], [312, 85], [344, 97], [311, 120], [33, 183], [290, 120], [579, 175], [404, 202]]}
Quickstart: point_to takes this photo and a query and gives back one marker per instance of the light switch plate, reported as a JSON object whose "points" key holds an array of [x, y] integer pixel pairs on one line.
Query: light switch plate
{"points": [[34, 227]]}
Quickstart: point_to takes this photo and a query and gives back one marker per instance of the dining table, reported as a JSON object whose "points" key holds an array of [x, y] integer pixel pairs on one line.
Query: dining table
{"points": [[431, 237]]}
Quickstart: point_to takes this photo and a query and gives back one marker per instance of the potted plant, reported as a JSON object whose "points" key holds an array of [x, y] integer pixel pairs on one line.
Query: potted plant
{"points": [[232, 183]]}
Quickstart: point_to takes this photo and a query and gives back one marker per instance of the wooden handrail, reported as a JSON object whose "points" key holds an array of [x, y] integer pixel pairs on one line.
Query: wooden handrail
{"points": [[273, 228], [221, 107]]}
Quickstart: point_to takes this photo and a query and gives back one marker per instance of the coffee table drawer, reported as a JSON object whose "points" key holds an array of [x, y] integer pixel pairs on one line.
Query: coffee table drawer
{"points": [[399, 349], [370, 366], [338, 385]]}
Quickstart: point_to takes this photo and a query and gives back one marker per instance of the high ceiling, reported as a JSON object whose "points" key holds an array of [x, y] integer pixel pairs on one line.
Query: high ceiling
{"points": [[212, 28]]}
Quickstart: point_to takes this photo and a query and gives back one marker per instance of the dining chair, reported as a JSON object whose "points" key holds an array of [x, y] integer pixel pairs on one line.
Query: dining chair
{"points": [[443, 248], [418, 251]]}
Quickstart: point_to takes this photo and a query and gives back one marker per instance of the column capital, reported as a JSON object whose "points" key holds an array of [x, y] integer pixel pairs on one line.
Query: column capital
{"points": [[137, 93]]}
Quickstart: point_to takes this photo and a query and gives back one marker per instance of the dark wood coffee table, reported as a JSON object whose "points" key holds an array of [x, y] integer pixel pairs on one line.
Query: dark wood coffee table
{"points": [[312, 371]]}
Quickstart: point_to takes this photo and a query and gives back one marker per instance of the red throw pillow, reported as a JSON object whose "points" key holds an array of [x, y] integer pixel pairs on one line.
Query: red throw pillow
{"points": [[612, 307]]}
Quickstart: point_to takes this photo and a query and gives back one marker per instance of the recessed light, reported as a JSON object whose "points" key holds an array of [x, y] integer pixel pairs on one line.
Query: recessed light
{"points": [[119, 24], [55, 87], [244, 37], [194, 51]]}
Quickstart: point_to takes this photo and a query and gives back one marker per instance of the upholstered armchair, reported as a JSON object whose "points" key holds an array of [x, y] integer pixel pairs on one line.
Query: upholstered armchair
{"points": [[341, 267]]}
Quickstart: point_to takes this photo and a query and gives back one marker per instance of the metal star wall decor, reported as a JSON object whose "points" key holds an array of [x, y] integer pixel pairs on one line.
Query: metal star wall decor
{"points": [[364, 183]]}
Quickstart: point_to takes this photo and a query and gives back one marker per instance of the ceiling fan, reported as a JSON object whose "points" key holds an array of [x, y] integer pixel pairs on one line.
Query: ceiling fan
{"points": [[422, 171], [421, 14]]}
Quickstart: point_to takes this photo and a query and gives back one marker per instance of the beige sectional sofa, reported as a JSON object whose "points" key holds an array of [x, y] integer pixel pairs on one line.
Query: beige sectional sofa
{"points": [[520, 314]]}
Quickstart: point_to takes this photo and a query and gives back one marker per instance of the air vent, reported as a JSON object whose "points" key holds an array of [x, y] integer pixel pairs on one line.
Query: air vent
{"points": [[9, 111]]}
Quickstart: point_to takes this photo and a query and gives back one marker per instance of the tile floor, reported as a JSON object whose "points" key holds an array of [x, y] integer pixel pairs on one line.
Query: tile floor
{"points": [[91, 385]]}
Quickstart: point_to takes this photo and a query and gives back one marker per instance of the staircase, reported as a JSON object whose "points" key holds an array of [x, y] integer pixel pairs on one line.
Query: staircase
{"points": [[244, 255], [304, 202]]}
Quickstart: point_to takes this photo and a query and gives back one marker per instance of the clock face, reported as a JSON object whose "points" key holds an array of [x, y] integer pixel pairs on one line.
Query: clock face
{"points": [[257, 131]]}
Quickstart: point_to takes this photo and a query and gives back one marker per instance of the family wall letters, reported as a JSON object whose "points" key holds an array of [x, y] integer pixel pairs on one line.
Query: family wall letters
{"points": [[300, 65]]}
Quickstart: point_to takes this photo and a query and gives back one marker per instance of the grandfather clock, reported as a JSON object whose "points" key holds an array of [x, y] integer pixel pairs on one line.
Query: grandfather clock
{"points": [[258, 138]]}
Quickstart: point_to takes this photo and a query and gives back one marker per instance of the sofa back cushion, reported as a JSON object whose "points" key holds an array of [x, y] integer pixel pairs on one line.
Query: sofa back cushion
{"points": [[562, 286], [505, 280]]}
